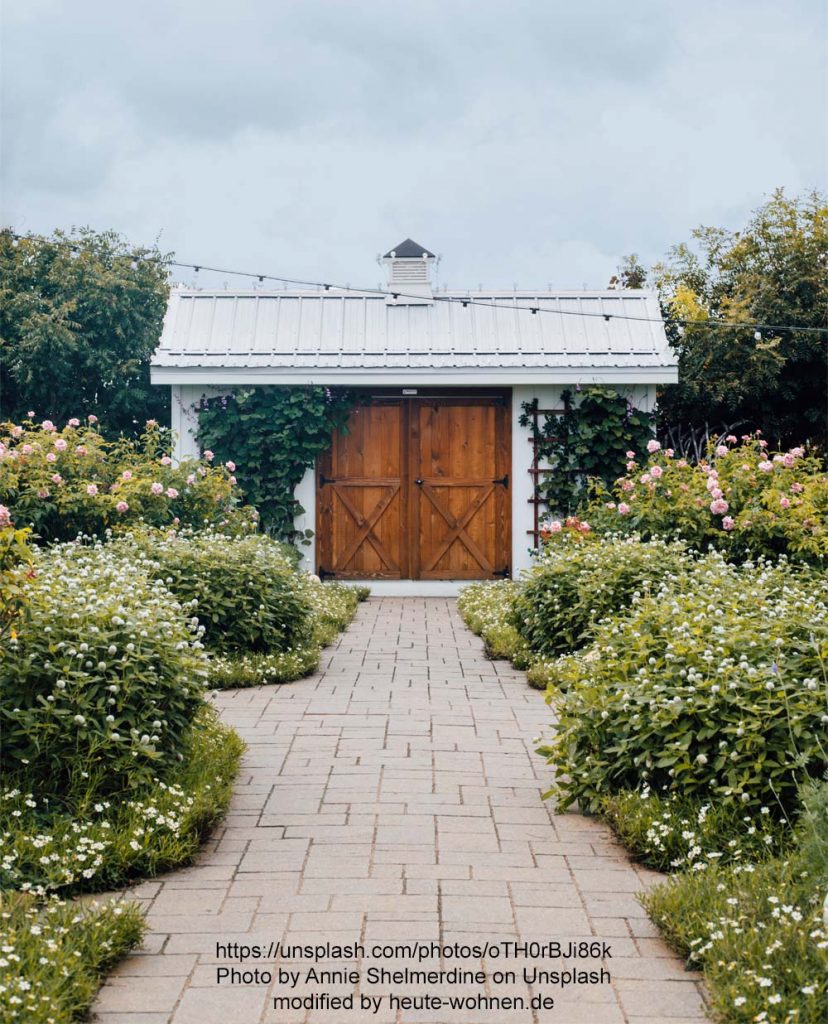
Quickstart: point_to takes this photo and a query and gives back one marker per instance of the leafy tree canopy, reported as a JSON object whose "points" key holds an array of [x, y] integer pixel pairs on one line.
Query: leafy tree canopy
{"points": [[775, 271], [80, 315]]}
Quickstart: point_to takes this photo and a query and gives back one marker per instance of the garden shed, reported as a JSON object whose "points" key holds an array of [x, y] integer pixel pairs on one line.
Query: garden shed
{"points": [[434, 482]]}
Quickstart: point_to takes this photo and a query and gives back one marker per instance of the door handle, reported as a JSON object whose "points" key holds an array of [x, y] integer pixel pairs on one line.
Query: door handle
{"points": [[418, 482]]}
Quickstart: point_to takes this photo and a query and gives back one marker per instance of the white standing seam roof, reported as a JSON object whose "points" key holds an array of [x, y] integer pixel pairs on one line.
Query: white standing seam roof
{"points": [[328, 336]]}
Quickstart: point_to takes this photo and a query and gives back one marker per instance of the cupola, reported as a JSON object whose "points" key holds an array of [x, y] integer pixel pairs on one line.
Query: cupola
{"points": [[409, 269]]}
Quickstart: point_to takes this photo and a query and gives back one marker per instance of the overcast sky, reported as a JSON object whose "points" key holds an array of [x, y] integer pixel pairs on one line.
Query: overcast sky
{"points": [[526, 142]]}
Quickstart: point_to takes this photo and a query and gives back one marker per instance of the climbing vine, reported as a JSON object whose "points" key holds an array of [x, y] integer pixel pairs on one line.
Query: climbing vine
{"points": [[590, 438], [273, 434]]}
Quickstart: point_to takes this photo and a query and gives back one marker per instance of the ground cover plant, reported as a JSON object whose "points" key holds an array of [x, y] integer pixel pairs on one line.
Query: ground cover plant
{"points": [[62, 481]]}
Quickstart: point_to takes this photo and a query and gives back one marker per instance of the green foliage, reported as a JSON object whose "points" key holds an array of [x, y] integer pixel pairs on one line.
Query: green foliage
{"points": [[589, 439], [757, 931], [62, 483], [245, 591], [89, 842], [716, 689], [78, 328], [15, 558], [55, 955], [577, 582], [487, 609], [332, 606], [742, 499], [675, 832], [99, 687], [275, 434], [771, 272]]}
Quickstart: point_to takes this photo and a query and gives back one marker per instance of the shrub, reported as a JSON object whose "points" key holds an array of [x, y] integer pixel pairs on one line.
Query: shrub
{"points": [[98, 842], [487, 609], [576, 583], [758, 930], [72, 481], [55, 955], [743, 499], [99, 688], [246, 591], [716, 688]]}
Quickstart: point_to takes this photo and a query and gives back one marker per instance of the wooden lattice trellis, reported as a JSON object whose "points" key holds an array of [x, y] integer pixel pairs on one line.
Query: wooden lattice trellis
{"points": [[537, 471]]}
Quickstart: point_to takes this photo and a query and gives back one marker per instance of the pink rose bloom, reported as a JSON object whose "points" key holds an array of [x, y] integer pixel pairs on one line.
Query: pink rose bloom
{"points": [[797, 452], [728, 523], [682, 463], [122, 507], [51, 457], [48, 426], [785, 502], [201, 471], [653, 446], [630, 467], [656, 472], [5, 517], [762, 444], [731, 439], [232, 465], [719, 506], [16, 431], [630, 455], [92, 490], [57, 478], [152, 423], [788, 459], [60, 444], [717, 493], [684, 487], [745, 467], [165, 460], [669, 452], [585, 527], [73, 422], [721, 450], [554, 526], [766, 466], [43, 493], [627, 485], [191, 479], [645, 478], [623, 509], [126, 475], [233, 481], [797, 488], [91, 418], [208, 455], [30, 414], [26, 449], [171, 492], [157, 488], [81, 449]]}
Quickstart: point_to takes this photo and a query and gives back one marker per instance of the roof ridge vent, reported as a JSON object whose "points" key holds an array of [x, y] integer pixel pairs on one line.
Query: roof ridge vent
{"points": [[409, 270]]}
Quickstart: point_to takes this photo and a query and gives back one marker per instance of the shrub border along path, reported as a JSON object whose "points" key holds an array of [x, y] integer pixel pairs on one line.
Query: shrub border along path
{"points": [[395, 795]]}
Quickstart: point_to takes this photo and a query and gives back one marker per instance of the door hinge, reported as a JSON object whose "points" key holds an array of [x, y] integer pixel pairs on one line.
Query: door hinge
{"points": [[504, 572], [503, 481], [325, 574], [325, 480]]}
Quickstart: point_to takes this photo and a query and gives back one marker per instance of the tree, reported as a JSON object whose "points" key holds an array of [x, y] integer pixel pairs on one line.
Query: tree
{"points": [[775, 271], [80, 316]]}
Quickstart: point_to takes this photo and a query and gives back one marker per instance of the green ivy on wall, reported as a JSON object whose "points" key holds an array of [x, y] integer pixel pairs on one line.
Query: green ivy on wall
{"points": [[590, 438], [273, 434]]}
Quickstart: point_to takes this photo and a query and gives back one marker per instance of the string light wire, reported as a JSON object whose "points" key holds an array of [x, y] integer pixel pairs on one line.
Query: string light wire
{"points": [[462, 300]]}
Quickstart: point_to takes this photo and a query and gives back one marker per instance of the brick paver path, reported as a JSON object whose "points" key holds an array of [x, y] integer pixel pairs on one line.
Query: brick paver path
{"points": [[395, 796]]}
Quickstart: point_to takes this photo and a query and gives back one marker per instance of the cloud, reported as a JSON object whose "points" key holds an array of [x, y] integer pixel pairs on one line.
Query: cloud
{"points": [[528, 142]]}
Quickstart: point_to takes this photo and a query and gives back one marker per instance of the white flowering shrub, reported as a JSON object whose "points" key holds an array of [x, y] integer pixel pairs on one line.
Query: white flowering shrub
{"points": [[245, 591], [717, 688], [579, 580], [53, 955], [99, 686], [488, 610]]}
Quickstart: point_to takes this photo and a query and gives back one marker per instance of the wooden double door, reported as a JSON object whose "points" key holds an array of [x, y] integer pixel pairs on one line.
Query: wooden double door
{"points": [[418, 488]]}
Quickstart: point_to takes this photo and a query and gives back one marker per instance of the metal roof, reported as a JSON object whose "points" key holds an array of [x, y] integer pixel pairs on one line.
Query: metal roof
{"points": [[323, 336]]}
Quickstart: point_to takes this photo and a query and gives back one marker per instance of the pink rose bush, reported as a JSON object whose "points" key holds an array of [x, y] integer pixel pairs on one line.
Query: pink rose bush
{"points": [[66, 481], [741, 498]]}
